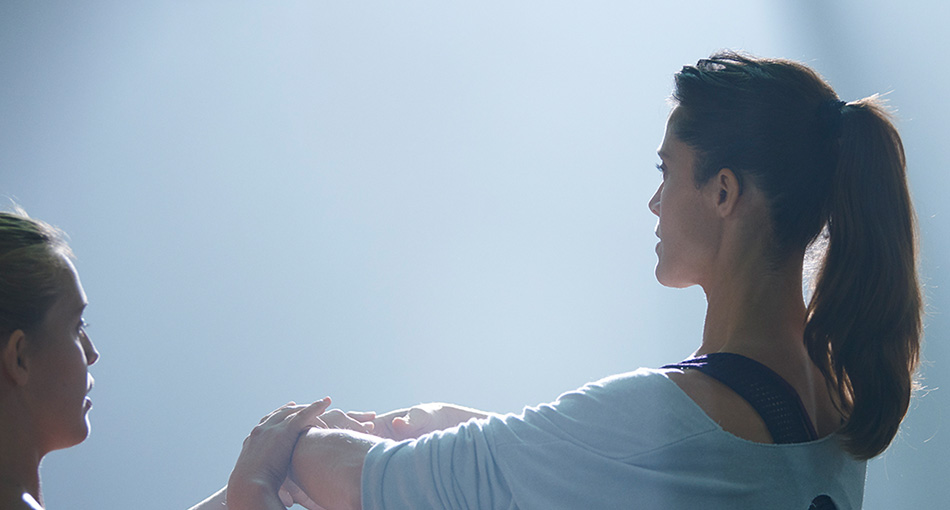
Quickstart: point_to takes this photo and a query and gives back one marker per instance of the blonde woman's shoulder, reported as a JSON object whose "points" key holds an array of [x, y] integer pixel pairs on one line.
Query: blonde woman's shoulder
{"points": [[15, 498]]}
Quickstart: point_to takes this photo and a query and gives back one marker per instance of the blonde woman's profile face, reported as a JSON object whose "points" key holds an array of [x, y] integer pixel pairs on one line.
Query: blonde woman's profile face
{"points": [[59, 359]]}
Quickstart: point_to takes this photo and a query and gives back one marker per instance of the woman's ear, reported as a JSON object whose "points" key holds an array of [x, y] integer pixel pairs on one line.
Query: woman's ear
{"points": [[727, 190], [14, 362]]}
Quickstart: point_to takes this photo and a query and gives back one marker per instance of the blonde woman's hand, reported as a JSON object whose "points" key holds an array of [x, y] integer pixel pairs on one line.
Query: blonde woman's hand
{"points": [[289, 492], [264, 461]]}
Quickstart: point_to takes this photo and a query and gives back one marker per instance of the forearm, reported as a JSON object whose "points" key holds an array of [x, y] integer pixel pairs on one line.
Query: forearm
{"points": [[328, 466], [264, 500], [215, 501], [259, 496]]}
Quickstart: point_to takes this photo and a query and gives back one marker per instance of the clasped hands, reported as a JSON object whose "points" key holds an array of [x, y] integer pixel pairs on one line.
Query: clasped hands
{"points": [[263, 467]]}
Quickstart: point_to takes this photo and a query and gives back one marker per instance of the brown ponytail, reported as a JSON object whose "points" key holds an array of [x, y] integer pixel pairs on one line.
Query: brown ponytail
{"points": [[823, 164], [864, 318]]}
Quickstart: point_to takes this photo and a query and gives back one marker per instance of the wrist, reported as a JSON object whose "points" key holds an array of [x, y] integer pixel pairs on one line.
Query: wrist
{"points": [[248, 493]]}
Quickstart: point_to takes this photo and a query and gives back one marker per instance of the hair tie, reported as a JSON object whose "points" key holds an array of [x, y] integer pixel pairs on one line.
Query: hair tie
{"points": [[829, 114]]}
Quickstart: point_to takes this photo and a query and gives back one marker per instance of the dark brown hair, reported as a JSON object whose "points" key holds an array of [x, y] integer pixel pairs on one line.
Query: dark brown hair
{"points": [[30, 266], [833, 169]]}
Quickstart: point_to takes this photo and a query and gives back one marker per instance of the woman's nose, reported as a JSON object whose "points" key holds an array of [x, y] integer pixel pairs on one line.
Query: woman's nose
{"points": [[655, 201], [92, 355]]}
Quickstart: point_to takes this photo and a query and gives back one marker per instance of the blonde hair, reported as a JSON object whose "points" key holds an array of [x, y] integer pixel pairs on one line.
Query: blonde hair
{"points": [[31, 261]]}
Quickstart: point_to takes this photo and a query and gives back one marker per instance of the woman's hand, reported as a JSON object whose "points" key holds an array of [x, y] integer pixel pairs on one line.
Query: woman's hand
{"points": [[328, 466], [265, 457], [357, 422], [289, 492], [415, 421]]}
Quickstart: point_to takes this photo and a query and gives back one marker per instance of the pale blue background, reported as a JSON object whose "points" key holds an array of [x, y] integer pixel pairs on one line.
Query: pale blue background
{"points": [[395, 202]]}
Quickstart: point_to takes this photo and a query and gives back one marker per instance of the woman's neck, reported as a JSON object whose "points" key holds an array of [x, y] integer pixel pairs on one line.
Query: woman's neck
{"points": [[20, 469], [756, 311], [761, 314]]}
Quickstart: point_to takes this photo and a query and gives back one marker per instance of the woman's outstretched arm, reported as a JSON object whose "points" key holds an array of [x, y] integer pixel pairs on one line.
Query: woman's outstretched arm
{"points": [[418, 420], [328, 465], [216, 501]]}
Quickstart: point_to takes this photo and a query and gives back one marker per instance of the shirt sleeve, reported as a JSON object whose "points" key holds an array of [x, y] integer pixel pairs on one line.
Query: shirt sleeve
{"points": [[537, 459], [453, 469]]}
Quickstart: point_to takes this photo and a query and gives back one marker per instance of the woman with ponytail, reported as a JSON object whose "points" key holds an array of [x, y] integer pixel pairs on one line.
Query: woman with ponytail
{"points": [[784, 400], [831, 172]]}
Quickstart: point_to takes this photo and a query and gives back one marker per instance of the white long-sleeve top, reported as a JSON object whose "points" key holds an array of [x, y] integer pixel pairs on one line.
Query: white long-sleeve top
{"points": [[632, 440]]}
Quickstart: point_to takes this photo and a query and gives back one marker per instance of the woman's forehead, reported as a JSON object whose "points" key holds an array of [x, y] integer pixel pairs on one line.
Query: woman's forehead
{"points": [[73, 296]]}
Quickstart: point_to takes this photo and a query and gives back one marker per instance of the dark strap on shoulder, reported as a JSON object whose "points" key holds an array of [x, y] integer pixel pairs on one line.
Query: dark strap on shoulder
{"points": [[771, 396]]}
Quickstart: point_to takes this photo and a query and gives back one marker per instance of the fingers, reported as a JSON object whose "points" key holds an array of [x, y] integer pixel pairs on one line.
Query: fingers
{"points": [[296, 495], [417, 421], [315, 415], [285, 498], [282, 409], [414, 423], [337, 419], [277, 416], [362, 415], [366, 418], [303, 416], [309, 416]]}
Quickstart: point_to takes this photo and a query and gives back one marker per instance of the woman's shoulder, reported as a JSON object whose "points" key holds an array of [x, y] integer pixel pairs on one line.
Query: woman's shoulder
{"points": [[641, 377], [618, 416], [628, 390], [631, 402], [722, 405]]}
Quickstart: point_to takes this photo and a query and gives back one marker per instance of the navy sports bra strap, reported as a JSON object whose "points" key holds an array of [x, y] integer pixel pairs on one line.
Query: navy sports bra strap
{"points": [[771, 396]]}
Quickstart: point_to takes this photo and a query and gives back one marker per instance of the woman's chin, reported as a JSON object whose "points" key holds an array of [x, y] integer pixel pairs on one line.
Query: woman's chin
{"points": [[666, 279], [72, 438], [662, 275], [83, 428]]}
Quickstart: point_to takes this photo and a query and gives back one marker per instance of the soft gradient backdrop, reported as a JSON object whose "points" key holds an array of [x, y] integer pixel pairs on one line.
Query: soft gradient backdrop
{"points": [[396, 202]]}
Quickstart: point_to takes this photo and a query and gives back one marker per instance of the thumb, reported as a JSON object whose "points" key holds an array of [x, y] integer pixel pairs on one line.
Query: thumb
{"points": [[285, 497], [414, 423]]}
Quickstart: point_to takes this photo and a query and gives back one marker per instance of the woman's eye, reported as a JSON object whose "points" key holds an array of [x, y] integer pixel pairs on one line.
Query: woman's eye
{"points": [[662, 169], [82, 325]]}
